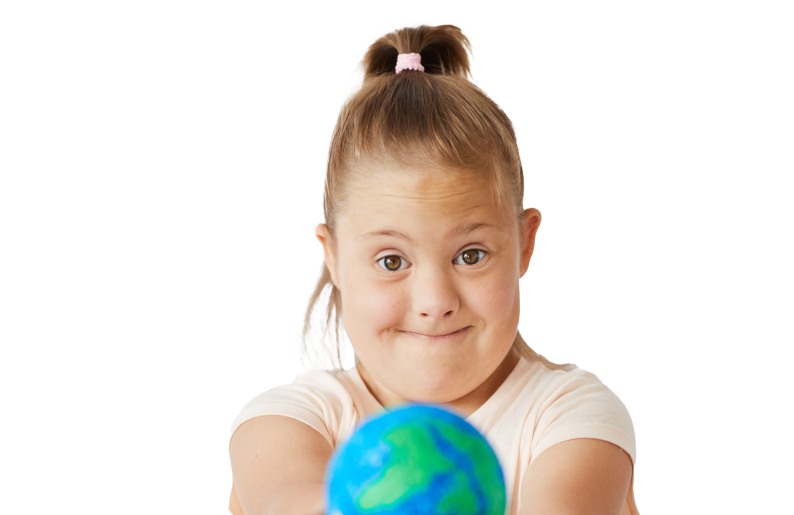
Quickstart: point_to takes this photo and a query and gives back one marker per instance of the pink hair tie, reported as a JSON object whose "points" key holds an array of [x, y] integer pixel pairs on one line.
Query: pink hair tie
{"points": [[409, 62]]}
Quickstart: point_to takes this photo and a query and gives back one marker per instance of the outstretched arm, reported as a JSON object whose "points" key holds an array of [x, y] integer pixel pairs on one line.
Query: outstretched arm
{"points": [[310, 503], [278, 465], [234, 503], [577, 477]]}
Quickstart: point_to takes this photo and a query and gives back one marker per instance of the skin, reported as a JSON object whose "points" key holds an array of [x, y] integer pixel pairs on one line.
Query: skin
{"points": [[389, 315]]}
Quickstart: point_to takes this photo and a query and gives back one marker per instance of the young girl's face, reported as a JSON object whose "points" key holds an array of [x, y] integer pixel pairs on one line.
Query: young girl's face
{"points": [[428, 271]]}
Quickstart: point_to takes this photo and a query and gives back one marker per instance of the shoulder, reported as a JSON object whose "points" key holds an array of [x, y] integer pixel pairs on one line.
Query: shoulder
{"points": [[567, 386], [317, 398], [574, 403], [547, 383]]}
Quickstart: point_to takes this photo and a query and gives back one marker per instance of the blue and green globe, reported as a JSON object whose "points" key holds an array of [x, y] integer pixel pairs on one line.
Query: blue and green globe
{"points": [[415, 460]]}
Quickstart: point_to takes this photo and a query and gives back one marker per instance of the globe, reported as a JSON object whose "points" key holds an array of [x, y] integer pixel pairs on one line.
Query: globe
{"points": [[417, 459]]}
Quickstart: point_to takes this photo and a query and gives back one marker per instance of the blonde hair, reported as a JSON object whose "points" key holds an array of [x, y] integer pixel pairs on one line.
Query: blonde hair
{"points": [[413, 118]]}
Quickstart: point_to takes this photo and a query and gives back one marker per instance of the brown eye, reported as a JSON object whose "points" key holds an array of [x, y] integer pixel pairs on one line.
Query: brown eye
{"points": [[470, 257], [391, 263]]}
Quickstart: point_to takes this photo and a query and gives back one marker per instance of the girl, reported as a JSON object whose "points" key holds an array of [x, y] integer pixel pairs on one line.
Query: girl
{"points": [[425, 239]]}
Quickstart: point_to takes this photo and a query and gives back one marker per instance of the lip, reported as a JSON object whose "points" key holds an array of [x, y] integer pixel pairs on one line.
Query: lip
{"points": [[435, 338]]}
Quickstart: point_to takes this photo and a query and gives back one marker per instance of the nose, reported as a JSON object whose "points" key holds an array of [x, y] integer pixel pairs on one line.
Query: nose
{"points": [[434, 294]]}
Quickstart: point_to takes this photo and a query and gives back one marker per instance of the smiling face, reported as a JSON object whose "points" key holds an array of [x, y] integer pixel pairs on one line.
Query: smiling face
{"points": [[428, 270]]}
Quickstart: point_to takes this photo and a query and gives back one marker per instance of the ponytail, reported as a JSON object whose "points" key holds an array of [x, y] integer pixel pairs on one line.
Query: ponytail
{"points": [[322, 342]]}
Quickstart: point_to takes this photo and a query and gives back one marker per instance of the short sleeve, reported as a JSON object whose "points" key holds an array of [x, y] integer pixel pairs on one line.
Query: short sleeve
{"points": [[309, 399], [581, 406], [316, 399]]}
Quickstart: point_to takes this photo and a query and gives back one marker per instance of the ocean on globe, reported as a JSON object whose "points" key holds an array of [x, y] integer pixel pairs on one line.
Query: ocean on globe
{"points": [[417, 459]]}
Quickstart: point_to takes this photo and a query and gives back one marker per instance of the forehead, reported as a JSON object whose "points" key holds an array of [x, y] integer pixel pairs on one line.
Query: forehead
{"points": [[432, 192], [419, 199]]}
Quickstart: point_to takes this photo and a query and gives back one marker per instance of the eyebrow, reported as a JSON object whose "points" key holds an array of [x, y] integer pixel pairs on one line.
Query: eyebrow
{"points": [[458, 231]]}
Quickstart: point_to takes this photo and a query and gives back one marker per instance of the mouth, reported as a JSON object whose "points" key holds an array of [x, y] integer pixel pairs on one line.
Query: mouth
{"points": [[436, 337]]}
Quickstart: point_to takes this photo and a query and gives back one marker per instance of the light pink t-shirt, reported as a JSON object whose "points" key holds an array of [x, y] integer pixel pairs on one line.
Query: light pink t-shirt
{"points": [[533, 409]]}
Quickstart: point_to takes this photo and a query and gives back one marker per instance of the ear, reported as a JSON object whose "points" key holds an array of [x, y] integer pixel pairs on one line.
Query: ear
{"points": [[528, 230], [329, 250]]}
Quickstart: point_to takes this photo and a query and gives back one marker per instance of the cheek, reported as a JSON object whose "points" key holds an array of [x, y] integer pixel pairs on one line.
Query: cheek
{"points": [[370, 306], [496, 301]]}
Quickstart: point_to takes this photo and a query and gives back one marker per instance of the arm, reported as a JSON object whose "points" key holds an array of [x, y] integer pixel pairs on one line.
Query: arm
{"points": [[312, 502], [306, 499], [234, 503], [278, 465], [582, 476]]}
